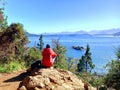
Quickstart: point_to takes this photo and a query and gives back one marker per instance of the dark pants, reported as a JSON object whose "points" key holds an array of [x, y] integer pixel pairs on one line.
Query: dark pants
{"points": [[36, 64]]}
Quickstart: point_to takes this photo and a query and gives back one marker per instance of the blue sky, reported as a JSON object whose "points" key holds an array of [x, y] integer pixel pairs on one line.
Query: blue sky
{"points": [[40, 16]]}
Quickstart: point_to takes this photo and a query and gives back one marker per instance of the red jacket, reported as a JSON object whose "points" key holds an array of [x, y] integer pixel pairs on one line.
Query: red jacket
{"points": [[48, 55]]}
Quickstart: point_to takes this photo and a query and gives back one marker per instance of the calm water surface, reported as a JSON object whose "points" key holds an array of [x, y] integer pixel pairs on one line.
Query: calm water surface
{"points": [[103, 48]]}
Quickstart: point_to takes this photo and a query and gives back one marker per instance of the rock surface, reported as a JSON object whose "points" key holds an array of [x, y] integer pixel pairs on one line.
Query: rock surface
{"points": [[54, 79]]}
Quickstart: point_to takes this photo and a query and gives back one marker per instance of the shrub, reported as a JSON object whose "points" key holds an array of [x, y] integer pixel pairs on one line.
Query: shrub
{"points": [[13, 66], [33, 55], [94, 79], [112, 78]]}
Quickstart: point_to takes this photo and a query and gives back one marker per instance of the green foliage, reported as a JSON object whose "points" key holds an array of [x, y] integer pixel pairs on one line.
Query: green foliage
{"points": [[32, 55], [14, 63], [17, 33], [1, 16], [112, 78], [94, 79], [12, 66], [103, 88], [13, 41], [41, 43], [81, 64], [118, 53], [13, 51], [3, 20], [85, 63], [61, 60], [72, 64]]}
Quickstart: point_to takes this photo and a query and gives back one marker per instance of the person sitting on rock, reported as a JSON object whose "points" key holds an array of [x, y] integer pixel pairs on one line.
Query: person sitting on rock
{"points": [[48, 56]]}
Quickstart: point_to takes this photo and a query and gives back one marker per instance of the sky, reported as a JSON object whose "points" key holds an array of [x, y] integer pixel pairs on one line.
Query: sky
{"points": [[51, 16]]}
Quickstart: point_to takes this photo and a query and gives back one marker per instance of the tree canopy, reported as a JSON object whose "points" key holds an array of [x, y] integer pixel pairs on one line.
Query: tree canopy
{"points": [[12, 40], [112, 79], [85, 63], [40, 44], [61, 60]]}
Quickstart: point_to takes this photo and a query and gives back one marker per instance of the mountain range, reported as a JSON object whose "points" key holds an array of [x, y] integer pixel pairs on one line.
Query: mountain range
{"points": [[114, 32], [105, 32]]}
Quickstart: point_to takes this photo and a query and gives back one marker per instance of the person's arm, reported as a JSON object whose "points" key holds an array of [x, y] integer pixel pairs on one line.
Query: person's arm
{"points": [[53, 59], [53, 54]]}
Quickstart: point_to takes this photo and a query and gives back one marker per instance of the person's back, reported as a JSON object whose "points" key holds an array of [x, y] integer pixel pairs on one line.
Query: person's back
{"points": [[48, 55]]}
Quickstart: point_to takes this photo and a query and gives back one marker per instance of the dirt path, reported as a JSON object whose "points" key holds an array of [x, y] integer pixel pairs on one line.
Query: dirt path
{"points": [[10, 81]]}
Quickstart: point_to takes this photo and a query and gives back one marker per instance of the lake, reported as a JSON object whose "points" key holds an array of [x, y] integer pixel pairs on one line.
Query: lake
{"points": [[103, 48]]}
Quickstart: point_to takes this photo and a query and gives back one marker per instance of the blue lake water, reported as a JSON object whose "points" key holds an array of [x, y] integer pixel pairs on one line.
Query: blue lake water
{"points": [[103, 48]]}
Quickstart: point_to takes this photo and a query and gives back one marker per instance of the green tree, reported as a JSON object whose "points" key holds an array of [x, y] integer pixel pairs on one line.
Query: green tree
{"points": [[12, 42], [85, 63], [81, 64], [61, 60], [13, 48], [3, 20], [1, 16], [72, 64], [112, 79], [41, 43]]}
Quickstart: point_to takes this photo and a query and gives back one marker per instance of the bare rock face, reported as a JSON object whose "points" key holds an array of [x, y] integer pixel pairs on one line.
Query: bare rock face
{"points": [[54, 79]]}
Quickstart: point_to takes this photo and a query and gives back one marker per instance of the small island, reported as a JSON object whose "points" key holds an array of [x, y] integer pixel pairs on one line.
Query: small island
{"points": [[78, 47]]}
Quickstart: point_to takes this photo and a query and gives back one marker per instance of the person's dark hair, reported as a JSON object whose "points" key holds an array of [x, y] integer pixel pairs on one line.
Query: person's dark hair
{"points": [[47, 46]]}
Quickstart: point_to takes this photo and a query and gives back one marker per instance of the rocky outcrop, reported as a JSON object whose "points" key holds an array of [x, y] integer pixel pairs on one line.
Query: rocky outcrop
{"points": [[54, 79], [78, 47]]}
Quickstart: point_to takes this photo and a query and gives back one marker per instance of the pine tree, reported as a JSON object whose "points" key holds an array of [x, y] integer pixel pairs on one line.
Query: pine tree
{"points": [[41, 43], [85, 63], [81, 64]]}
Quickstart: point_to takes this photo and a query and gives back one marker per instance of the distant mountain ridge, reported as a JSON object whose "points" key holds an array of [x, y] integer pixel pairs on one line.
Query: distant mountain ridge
{"points": [[114, 32], [117, 34], [30, 34], [105, 32]]}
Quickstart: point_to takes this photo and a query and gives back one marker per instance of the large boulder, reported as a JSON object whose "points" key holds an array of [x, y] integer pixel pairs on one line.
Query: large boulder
{"points": [[54, 79]]}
